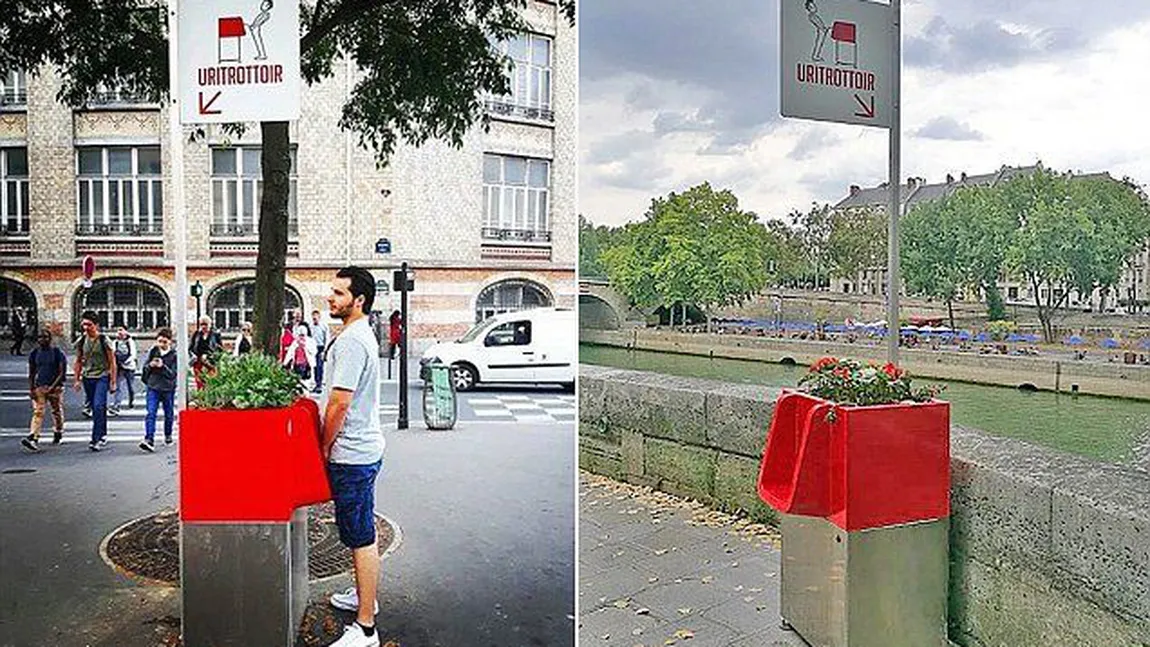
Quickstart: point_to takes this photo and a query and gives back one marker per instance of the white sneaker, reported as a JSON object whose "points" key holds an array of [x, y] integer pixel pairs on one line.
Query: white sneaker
{"points": [[353, 637], [348, 600]]}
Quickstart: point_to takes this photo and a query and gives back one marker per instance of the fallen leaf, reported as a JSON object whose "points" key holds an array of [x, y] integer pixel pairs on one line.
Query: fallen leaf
{"points": [[708, 579], [621, 603], [636, 631], [642, 612], [661, 551], [749, 598], [652, 580], [606, 636], [684, 634], [685, 611]]}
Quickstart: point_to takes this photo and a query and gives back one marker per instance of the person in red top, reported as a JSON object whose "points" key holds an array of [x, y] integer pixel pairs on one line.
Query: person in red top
{"points": [[286, 340], [395, 323]]}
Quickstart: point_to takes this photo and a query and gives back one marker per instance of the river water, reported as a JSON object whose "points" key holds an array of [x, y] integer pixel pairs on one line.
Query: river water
{"points": [[1108, 429]]}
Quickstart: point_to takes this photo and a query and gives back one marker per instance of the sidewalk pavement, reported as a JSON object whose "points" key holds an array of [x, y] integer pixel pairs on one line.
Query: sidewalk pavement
{"points": [[657, 570]]}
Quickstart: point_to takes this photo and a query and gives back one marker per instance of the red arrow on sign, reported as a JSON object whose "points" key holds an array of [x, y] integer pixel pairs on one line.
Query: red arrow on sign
{"points": [[204, 106], [867, 110]]}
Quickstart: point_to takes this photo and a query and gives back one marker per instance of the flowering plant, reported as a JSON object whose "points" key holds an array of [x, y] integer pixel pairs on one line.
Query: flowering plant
{"points": [[848, 381]]}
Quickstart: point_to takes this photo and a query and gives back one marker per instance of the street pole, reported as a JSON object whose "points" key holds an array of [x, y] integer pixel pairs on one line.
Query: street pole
{"points": [[402, 423], [176, 158], [892, 326]]}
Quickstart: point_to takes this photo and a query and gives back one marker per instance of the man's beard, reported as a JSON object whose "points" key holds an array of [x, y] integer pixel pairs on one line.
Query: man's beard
{"points": [[343, 313]]}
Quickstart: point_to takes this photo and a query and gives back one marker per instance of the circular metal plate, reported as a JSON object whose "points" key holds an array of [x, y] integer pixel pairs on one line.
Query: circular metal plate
{"points": [[149, 547]]}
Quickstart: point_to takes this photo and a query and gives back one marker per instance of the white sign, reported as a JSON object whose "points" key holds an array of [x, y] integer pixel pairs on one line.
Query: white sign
{"points": [[238, 61], [836, 61]]}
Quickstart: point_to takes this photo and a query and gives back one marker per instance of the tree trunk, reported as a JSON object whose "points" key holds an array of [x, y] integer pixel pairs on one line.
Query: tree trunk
{"points": [[950, 311], [272, 261]]}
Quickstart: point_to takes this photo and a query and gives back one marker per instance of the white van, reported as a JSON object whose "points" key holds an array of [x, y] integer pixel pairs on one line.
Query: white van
{"points": [[528, 346]]}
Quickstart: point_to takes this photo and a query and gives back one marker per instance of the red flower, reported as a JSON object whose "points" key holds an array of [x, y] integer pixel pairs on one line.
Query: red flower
{"points": [[823, 363], [892, 371], [843, 372]]}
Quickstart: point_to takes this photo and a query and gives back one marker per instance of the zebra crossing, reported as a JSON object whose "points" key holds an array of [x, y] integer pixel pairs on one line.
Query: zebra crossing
{"points": [[127, 427]]}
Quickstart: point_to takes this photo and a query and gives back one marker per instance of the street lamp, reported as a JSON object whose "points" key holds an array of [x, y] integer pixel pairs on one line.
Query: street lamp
{"points": [[197, 292]]}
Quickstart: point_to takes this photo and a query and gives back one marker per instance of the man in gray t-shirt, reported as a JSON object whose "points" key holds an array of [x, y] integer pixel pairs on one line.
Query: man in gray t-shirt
{"points": [[353, 445]]}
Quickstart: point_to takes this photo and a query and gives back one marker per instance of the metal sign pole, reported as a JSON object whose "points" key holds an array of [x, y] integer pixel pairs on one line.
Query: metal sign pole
{"points": [[895, 208], [176, 159], [403, 418]]}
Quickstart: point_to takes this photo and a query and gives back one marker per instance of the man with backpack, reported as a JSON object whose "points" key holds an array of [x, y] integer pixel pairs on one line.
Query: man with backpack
{"points": [[95, 370], [47, 368], [125, 349], [159, 375]]}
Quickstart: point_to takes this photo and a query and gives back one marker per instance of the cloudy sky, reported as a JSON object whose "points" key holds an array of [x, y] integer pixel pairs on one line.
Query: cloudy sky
{"points": [[677, 92]]}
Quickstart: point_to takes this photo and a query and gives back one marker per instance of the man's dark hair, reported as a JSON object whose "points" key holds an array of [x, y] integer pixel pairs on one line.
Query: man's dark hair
{"points": [[166, 333], [362, 284], [91, 315]]}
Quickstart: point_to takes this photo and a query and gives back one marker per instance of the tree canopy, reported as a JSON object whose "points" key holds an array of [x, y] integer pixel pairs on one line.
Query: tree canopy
{"points": [[695, 247]]}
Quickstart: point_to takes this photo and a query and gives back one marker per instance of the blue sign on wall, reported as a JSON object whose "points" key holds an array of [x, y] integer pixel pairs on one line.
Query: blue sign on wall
{"points": [[383, 246]]}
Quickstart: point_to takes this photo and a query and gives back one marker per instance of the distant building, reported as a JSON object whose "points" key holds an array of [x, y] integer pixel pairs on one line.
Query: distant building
{"points": [[1134, 286], [489, 227]]}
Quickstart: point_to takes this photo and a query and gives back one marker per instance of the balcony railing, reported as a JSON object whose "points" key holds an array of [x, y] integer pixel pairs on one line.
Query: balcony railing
{"points": [[125, 229], [516, 235], [245, 230], [117, 98], [18, 230], [13, 98], [508, 109]]}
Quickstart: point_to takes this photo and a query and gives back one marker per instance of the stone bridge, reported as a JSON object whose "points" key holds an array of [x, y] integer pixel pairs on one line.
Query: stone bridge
{"points": [[602, 307]]}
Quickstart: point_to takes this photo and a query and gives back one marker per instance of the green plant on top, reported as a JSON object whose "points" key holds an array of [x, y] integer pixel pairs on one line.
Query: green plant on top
{"points": [[850, 382], [252, 381]]}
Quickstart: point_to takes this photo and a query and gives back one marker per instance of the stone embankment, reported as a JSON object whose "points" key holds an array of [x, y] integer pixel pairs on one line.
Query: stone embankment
{"points": [[1046, 549]]}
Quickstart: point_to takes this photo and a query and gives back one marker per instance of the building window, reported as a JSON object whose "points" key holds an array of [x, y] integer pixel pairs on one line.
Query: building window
{"points": [[515, 196], [14, 89], [138, 306], [530, 78], [13, 191], [234, 303], [237, 187], [17, 297], [1012, 294], [120, 191], [510, 296], [115, 96]]}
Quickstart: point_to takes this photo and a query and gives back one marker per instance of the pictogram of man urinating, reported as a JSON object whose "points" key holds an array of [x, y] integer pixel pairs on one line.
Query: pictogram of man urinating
{"points": [[233, 29]]}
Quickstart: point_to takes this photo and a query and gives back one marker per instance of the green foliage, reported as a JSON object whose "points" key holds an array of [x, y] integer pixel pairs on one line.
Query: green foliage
{"points": [[812, 232], [593, 241], [999, 330], [694, 247], [851, 382], [252, 381], [857, 240]]}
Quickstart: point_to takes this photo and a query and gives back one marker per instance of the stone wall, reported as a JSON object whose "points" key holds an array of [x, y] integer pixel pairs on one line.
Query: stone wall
{"points": [[1095, 378], [1047, 550]]}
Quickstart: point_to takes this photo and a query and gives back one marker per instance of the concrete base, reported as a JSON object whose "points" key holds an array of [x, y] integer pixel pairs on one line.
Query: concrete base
{"points": [[885, 587], [243, 584]]}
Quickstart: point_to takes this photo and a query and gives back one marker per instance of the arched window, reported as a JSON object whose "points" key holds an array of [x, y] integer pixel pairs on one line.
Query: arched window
{"points": [[138, 306], [15, 297], [233, 303], [510, 296]]}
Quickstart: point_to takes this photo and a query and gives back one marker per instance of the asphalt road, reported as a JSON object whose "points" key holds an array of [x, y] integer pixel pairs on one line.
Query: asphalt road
{"points": [[486, 513]]}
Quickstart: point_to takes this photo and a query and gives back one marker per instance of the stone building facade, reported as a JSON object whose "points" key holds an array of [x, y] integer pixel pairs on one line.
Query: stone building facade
{"points": [[487, 227]]}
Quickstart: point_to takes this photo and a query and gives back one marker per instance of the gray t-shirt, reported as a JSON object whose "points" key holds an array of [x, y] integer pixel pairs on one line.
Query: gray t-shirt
{"points": [[319, 331], [353, 365]]}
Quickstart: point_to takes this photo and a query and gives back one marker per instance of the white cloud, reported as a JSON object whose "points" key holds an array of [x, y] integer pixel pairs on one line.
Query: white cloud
{"points": [[1075, 106]]}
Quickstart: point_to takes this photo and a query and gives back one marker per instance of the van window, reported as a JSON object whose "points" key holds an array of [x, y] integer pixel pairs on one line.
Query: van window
{"points": [[512, 333]]}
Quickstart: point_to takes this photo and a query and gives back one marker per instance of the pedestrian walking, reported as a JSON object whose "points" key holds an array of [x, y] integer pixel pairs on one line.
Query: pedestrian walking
{"points": [[301, 355], [95, 370], [298, 325], [243, 343], [19, 327], [286, 340], [126, 355], [159, 376], [353, 446], [320, 333], [395, 324], [205, 344], [47, 368]]}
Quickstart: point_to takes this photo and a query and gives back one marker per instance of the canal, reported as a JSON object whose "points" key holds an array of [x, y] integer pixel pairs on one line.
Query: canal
{"points": [[1108, 429]]}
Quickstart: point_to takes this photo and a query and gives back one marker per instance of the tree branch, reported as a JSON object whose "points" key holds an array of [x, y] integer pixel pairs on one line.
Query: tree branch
{"points": [[345, 12]]}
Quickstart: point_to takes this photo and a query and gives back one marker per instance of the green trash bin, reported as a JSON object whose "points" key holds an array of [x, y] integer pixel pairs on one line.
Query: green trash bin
{"points": [[440, 407]]}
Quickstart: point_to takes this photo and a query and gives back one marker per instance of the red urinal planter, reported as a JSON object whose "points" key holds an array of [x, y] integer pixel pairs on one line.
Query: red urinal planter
{"points": [[250, 465], [870, 467]]}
